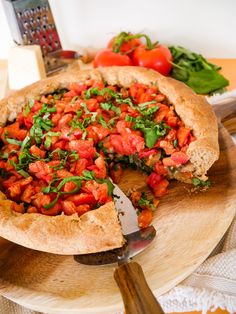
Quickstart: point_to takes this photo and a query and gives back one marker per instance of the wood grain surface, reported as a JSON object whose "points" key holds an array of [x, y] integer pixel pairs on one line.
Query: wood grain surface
{"points": [[189, 225]]}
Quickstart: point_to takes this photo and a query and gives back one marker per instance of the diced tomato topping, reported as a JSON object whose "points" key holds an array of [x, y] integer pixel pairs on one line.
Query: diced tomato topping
{"points": [[161, 189], [99, 191], [99, 168], [153, 180], [32, 210], [183, 136], [53, 211], [179, 158], [37, 151], [68, 207], [63, 174], [28, 193], [160, 169], [82, 209], [168, 162], [85, 148], [83, 198], [145, 218], [41, 170], [19, 208]]}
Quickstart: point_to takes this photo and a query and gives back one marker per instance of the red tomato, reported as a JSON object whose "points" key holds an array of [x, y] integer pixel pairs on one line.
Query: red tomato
{"points": [[82, 209], [99, 168], [99, 191], [107, 57], [180, 158], [34, 150], [183, 136], [145, 218], [159, 58], [85, 149], [82, 198], [68, 207]]}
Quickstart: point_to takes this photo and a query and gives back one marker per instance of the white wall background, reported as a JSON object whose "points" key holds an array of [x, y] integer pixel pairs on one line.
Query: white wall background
{"points": [[205, 26]]}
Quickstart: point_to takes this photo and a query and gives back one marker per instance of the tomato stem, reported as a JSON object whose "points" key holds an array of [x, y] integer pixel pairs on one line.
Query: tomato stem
{"points": [[125, 37]]}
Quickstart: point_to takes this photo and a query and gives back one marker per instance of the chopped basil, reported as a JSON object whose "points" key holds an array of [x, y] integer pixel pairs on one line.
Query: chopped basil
{"points": [[152, 131], [91, 91], [200, 183], [143, 201], [102, 122], [145, 104], [110, 106], [84, 106], [48, 142], [23, 173], [28, 107], [26, 143], [53, 203], [74, 99], [13, 141], [175, 143], [149, 111]]}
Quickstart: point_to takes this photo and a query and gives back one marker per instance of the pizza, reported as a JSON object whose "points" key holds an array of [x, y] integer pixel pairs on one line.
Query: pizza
{"points": [[62, 138]]}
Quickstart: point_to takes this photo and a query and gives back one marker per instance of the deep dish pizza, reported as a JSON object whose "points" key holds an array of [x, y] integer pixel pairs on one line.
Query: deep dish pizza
{"points": [[63, 137]]}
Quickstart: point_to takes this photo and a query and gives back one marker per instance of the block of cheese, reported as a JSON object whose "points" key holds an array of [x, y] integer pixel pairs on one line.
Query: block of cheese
{"points": [[25, 66]]}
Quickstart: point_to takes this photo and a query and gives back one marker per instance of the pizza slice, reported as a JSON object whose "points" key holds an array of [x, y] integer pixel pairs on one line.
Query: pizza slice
{"points": [[64, 136]]}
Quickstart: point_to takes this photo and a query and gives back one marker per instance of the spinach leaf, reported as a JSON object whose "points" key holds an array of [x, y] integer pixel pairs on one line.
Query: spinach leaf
{"points": [[205, 81], [195, 71]]}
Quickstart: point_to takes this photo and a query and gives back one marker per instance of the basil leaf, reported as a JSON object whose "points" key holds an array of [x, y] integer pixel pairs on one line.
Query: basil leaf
{"points": [[206, 81], [53, 203], [23, 173], [149, 111], [198, 182], [88, 175], [91, 91], [26, 142], [48, 142], [147, 103], [84, 106], [13, 141], [102, 122], [193, 69], [150, 137]]}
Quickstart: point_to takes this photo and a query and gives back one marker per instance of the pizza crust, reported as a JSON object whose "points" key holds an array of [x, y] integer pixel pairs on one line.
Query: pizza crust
{"points": [[100, 230], [95, 231]]}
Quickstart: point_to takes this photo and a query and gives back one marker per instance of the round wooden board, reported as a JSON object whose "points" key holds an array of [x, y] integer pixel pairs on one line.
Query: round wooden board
{"points": [[189, 226]]}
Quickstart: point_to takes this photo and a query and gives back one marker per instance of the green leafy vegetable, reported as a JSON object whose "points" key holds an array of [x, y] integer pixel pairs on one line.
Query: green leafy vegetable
{"points": [[200, 183], [28, 107], [193, 69]]}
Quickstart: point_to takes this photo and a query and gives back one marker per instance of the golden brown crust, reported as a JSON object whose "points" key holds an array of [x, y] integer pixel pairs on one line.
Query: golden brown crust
{"points": [[99, 229], [95, 231]]}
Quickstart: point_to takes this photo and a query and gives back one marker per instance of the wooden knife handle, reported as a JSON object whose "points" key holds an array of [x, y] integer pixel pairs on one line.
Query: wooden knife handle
{"points": [[137, 296], [226, 112]]}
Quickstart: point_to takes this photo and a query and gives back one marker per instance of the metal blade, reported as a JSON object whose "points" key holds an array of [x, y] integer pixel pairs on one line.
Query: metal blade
{"points": [[136, 243], [127, 213]]}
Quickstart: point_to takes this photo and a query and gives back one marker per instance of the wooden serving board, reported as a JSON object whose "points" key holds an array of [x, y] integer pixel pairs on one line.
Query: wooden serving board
{"points": [[189, 225]]}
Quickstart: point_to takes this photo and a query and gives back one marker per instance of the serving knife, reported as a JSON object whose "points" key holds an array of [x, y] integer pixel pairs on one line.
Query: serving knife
{"points": [[137, 296]]}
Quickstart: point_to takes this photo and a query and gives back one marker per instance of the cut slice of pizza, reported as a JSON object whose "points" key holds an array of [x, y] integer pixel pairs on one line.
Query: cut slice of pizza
{"points": [[63, 137]]}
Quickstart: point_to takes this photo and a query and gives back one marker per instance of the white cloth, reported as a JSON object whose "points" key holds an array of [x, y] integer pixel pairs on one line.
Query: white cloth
{"points": [[212, 285]]}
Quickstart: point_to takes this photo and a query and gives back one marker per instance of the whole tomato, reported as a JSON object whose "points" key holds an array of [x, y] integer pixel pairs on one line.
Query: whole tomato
{"points": [[107, 57], [124, 43], [157, 58]]}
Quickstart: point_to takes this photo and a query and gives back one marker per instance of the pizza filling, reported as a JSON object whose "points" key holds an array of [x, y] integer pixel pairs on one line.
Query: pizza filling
{"points": [[59, 153]]}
